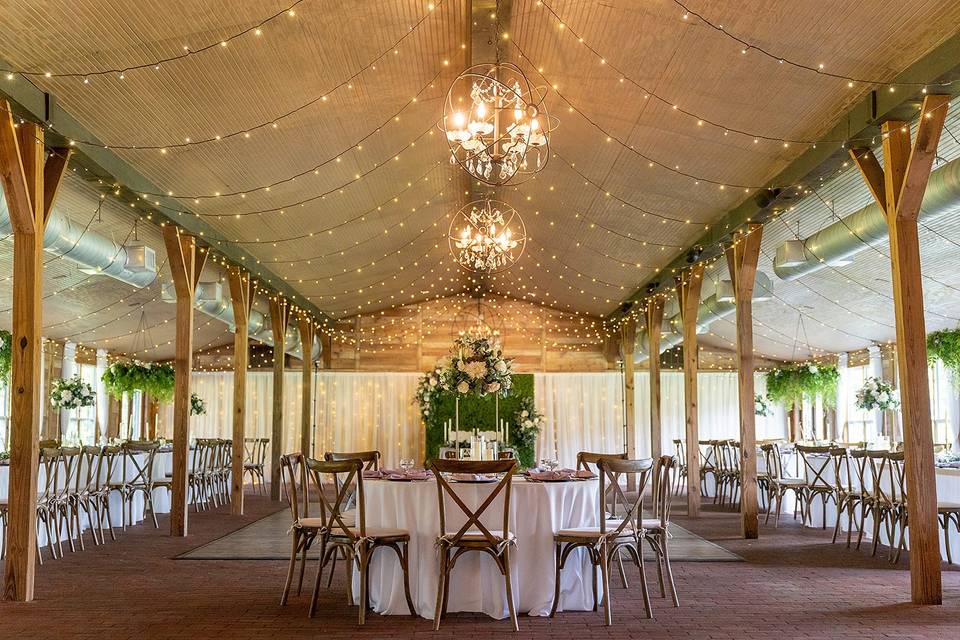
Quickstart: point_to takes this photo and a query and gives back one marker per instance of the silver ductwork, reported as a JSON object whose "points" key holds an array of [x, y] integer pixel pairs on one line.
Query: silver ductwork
{"points": [[710, 310], [210, 300], [867, 227], [134, 264]]}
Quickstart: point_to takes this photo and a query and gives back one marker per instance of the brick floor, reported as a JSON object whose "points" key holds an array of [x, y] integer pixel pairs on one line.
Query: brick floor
{"points": [[793, 585]]}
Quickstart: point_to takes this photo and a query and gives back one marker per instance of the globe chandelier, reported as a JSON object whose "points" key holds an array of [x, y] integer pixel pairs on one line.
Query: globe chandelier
{"points": [[487, 236], [496, 124]]}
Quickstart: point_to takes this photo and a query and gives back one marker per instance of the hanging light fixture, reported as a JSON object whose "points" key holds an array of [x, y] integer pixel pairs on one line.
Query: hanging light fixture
{"points": [[496, 124], [487, 236]]}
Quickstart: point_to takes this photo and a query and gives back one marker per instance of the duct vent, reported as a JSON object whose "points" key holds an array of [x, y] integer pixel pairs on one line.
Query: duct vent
{"points": [[791, 253], [141, 258]]}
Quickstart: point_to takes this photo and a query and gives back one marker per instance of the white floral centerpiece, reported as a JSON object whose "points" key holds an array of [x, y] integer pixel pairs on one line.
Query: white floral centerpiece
{"points": [[197, 405], [529, 421], [71, 393], [761, 406], [877, 394]]}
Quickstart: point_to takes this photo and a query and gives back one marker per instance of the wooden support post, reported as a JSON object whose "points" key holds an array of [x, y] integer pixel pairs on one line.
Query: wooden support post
{"points": [[688, 293], [742, 262], [307, 335], [899, 187], [654, 330], [795, 423], [152, 415], [628, 344], [30, 185], [186, 261], [241, 295], [326, 344], [279, 320]]}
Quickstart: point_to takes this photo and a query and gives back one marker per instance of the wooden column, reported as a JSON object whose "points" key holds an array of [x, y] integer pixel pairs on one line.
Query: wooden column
{"points": [[279, 320], [742, 262], [186, 263], [795, 423], [30, 185], [307, 335], [654, 331], [628, 344], [152, 416], [241, 295], [898, 187], [326, 344], [688, 293]]}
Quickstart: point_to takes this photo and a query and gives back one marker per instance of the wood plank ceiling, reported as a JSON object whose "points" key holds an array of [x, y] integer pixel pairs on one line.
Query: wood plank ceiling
{"points": [[324, 160]]}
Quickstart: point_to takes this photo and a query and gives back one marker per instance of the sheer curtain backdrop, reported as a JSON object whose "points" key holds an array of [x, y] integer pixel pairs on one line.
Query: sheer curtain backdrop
{"points": [[358, 411]]}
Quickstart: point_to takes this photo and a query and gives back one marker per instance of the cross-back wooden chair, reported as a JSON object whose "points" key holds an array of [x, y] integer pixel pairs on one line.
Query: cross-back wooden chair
{"points": [[680, 449], [727, 471], [110, 469], [63, 502], [658, 527], [604, 541], [50, 459], [816, 462], [780, 484], [848, 485], [88, 484], [889, 500], [474, 535], [138, 477], [304, 529], [199, 479], [588, 461], [350, 535], [255, 460], [708, 463]]}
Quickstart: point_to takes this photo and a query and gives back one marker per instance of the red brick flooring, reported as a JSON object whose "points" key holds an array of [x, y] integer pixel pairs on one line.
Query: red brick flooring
{"points": [[793, 585]]}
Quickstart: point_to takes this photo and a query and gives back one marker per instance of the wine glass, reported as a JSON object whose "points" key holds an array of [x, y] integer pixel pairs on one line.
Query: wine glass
{"points": [[406, 464]]}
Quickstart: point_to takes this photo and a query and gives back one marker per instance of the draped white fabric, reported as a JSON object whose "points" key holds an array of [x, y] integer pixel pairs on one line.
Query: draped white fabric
{"points": [[584, 411], [358, 411]]}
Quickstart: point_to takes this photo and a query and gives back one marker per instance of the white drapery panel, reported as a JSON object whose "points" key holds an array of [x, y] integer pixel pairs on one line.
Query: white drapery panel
{"points": [[583, 411], [358, 411]]}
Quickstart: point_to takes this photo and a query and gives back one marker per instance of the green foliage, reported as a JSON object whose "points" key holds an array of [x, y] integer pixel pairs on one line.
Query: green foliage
{"points": [[794, 383], [6, 356], [127, 377], [476, 412], [945, 346]]}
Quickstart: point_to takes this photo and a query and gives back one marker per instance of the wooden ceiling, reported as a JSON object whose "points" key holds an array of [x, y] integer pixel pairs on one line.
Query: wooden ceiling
{"points": [[323, 127]]}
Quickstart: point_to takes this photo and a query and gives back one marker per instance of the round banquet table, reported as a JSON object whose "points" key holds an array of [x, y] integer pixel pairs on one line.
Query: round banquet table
{"points": [[537, 510]]}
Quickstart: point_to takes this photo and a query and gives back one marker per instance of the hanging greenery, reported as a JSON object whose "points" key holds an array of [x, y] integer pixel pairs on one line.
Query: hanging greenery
{"points": [[6, 355], [794, 383], [151, 378], [945, 346]]}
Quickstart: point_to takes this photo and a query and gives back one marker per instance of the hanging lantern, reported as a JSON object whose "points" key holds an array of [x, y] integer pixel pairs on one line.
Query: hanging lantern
{"points": [[487, 236], [496, 124]]}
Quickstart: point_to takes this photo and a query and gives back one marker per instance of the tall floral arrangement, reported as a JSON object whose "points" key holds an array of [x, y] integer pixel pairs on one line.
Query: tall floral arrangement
{"points": [[794, 383], [476, 367], [197, 405], [6, 355], [71, 393], [877, 394], [126, 377], [528, 420]]}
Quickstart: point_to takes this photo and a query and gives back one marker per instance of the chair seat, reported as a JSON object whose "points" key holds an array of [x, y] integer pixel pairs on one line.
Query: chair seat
{"points": [[592, 533], [792, 482], [650, 523], [477, 536], [381, 532], [309, 523]]}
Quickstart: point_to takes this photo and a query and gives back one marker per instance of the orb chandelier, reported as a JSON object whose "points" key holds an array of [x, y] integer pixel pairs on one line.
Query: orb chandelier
{"points": [[487, 236], [496, 124]]}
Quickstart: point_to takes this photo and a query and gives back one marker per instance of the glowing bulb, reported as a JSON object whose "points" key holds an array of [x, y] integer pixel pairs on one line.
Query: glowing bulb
{"points": [[517, 114], [534, 125], [481, 110], [458, 119]]}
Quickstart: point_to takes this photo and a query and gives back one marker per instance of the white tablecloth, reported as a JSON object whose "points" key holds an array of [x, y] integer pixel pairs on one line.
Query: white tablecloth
{"points": [[163, 463], [537, 510]]}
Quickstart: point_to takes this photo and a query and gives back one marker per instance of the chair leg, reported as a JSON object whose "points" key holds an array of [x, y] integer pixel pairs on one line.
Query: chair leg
{"points": [[946, 537], [623, 575], [364, 557], [404, 553], [303, 561], [836, 525], [643, 581], [508, 583], [316, 585], [441, 588], [556, 578], [863, 522], [605, 578], [293, 564], [333, 567]]}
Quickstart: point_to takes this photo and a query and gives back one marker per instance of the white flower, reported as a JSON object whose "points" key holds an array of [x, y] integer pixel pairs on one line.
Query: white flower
{"points": [[501, 366], [463, 387], [524, 413], [433, 381], [813, 368], [527, 424], [66, 396], [493, 387]]}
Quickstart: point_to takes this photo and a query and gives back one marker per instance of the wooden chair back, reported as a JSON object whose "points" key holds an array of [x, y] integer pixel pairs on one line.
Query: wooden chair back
{"points": [[663, 487], [67, 471], [88, 477], [142, 468], [774, 460], [50, 459], [611, 470], [887, 475], [816, 461], [111, 461], [348, 481], [707, 449], [587, 458], [681, 451], [506, 455], [293, 474], [370, 459], [473, 516]]}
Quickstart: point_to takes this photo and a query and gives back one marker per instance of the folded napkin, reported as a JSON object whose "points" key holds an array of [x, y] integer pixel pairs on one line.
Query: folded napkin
{"points": [[549, 476], [372, 474], [419, 475], [585, 474], [470, 477]]}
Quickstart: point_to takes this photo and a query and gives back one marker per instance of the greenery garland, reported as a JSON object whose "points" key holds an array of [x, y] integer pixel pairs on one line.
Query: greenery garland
{"points": [[793, 383], [127, 377], [945, 346], [6, 355]]}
